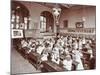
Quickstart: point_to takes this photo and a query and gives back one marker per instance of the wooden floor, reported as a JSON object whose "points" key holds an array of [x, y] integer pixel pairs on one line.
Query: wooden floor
{"points": [[20, 64]]}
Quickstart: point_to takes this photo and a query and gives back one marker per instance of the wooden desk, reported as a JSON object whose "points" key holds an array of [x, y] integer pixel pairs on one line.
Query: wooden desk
{"points": [[22, 51], [49, 66], [34, 58]]}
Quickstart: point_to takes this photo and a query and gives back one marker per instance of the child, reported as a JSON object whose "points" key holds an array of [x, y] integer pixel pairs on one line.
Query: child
{"points": [[67, 63], [44, 55], [40, 49], [77, 55], [55, 54]]}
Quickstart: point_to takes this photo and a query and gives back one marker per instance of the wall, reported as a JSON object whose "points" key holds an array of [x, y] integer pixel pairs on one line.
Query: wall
{"points": [[35, 11], [72, 15], [75, 15]]}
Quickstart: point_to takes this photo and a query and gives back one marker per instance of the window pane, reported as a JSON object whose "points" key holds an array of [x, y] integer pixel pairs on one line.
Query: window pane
{"points": [[44, 26], [41, 18], [44, 19], [40, 24], [43, 23]]}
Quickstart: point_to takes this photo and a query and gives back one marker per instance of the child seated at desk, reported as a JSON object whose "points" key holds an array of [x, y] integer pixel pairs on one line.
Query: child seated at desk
{"points": [[77, 55], [24, 43], [31, 45], [55, 54], [24, 46], [45, 53], [67, 63], [40, 49]]}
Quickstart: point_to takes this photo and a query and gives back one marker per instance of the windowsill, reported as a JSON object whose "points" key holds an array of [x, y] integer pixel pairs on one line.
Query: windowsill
{"points": [[43, 31]]}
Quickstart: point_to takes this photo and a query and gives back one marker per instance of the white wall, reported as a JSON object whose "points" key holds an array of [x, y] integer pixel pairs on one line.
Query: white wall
{"points": [[75, 15]]}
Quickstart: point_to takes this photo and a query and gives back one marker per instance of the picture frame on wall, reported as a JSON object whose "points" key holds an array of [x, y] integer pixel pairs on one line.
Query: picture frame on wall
{"points": [[52, 37], [17, 33], [79, 24]]}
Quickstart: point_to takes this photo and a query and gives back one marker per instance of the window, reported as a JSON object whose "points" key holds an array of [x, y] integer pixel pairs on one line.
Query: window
{"points": [[42, 23], [46, 22], [19, 18]]}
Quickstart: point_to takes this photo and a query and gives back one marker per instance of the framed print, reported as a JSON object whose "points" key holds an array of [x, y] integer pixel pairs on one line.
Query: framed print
{"points": [[17, 33], [79, 24], [52, 37]]}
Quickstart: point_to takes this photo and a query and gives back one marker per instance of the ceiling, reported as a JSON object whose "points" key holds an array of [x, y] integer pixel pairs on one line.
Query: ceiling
{"points": [[51, 5], [62, 5]]}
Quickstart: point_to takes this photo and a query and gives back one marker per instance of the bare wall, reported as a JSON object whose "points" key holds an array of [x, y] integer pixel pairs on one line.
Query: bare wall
{"points": [[75, 15]]}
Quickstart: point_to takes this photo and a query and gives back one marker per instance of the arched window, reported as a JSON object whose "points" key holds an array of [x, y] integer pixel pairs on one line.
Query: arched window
{"points": [[42, 23], [46, 22], [19, 16]]}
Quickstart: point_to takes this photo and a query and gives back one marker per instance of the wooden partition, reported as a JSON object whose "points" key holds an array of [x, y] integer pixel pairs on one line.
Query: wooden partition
{"points": [[80, 32]]}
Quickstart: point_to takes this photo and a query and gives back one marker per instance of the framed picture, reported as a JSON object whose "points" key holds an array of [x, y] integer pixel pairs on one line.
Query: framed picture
{"points": [[79, 24], [17, 33], [52, 37]]}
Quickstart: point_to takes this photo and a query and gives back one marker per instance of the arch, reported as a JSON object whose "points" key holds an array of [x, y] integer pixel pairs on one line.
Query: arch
{"points": [[49, 20], [20, 15], [23, 9]]}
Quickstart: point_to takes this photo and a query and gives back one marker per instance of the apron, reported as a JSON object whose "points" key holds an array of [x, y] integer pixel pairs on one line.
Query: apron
{"points": [[67, 64], [78, 56]]}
